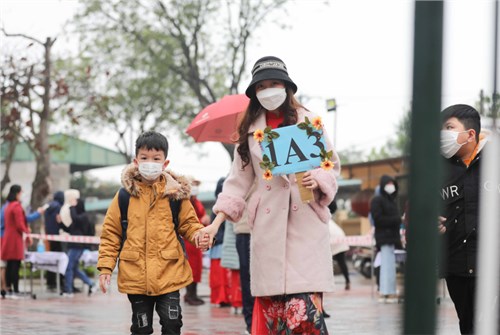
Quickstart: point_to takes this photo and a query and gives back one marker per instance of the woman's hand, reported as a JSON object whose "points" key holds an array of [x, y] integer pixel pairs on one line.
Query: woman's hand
{"points": [[210, 230], [202, 240], [309, 182]]}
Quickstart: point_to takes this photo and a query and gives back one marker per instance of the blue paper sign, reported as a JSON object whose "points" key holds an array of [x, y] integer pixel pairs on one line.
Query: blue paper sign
{"points": [[294, 150]]}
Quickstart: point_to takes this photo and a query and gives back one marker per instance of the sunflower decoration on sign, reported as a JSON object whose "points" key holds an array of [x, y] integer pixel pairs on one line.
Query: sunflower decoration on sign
{"points": [[267, 165], [311, 128]]}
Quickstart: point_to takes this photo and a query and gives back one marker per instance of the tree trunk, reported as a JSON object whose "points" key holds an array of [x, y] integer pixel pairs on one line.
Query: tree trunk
{"points": [[8, 162], [41, 184]]}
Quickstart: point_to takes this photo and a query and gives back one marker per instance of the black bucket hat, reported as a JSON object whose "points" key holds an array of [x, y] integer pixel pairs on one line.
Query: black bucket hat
{"points": [[269, 67]]}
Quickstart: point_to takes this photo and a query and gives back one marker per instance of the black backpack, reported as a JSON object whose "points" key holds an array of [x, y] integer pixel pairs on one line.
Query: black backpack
{"points": [[123, 201]]}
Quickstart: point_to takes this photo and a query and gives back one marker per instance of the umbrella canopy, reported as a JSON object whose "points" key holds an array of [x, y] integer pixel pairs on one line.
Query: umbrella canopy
{"points": [[218, 122]]}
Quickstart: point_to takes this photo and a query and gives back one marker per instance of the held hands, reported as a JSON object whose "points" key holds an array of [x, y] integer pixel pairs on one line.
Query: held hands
{"points": [[207, 234], [104, 282], [309, 182], [202, 240], [441, 226]]}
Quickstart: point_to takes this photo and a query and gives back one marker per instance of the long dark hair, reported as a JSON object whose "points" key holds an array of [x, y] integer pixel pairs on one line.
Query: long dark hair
{"points": [[254, 110], [13, 192]]}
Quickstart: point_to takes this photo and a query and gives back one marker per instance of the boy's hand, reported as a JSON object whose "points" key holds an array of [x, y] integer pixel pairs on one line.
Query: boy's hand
{"points": [[207, 234], [441, 226], [202, 241], [104, 281]]}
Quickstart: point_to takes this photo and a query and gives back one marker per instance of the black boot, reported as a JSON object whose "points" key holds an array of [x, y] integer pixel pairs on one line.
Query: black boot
{"points": [[190, 297], [195, 294]]}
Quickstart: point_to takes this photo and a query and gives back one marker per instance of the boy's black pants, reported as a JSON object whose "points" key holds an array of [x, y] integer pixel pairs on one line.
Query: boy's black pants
{"points": [[168, 309], [463, 292]]}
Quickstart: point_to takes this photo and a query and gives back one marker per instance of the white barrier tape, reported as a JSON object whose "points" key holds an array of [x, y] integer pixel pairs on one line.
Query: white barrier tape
{"points": [[355, 240], [66, 238]]}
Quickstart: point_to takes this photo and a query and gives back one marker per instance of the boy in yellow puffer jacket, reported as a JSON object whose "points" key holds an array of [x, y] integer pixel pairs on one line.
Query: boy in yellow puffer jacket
{"points": [[152, 264]]}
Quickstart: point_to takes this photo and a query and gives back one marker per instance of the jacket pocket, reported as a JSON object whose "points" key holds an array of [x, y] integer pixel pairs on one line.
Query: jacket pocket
{"points": [[253, 203], [171, 266], [169, 254], [130, 266], [129, 255]]}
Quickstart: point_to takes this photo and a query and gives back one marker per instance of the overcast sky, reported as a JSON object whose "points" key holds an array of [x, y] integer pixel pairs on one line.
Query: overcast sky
{"points": [[357, 51]]}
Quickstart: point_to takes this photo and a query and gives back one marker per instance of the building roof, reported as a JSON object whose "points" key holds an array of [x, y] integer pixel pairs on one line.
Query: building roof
{"points": [[79, 154]]}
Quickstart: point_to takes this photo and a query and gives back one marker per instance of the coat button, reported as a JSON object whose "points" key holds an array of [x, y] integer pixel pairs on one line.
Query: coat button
{"points": [[458, 207], [295, 207], [268, 187], [471, 271], [456, 221], [268, 210]]}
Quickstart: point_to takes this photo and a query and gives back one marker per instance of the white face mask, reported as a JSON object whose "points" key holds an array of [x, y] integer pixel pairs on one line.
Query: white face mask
{"points": [[150, 170], [449, 144], [272, 98], [390, 188], [195, 190]]}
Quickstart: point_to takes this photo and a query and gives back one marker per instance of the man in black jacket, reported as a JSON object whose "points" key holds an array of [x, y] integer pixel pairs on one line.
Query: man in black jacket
{"points": [[462, 146]]}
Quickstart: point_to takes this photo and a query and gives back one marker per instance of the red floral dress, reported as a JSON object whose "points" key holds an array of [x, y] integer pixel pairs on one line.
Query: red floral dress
{"points": [[300, 313]]}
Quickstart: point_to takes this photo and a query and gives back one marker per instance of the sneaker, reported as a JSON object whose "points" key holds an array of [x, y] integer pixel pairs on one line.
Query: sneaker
{"points": [[391, 299], [4, 293], [12, 295], [92, 290], [382, 299], [68, 295]]}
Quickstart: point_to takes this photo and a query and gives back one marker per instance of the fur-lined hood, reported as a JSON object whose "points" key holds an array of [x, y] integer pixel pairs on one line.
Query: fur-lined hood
{"points": [[174, 186]]}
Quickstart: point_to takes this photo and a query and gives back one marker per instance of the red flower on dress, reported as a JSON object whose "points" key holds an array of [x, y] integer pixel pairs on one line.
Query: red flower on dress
{"points": [[295, 311], [307, 328], [274, 310]]}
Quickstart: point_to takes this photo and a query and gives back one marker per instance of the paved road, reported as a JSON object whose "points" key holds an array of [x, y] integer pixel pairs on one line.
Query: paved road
{"points": [[353, 312]]}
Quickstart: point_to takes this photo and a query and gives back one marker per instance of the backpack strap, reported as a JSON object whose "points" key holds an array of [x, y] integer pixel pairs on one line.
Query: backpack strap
{"points": [[175, 207], [123, 200]]}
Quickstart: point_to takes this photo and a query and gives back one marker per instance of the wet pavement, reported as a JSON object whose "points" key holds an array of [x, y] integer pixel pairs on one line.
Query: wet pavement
{"points": [[356, 311]]}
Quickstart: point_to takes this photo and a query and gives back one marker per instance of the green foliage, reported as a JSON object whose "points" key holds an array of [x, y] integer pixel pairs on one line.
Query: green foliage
{"points": [[157, 63], [485, 105], [93, 187]]}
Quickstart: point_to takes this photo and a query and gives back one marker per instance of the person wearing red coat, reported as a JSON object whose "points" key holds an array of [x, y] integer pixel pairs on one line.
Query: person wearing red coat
{"points": [[13, 246], [195, 256]]}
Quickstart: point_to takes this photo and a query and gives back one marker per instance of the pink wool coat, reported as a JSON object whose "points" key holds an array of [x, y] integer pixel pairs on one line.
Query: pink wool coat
{"points": [[290, 249]]}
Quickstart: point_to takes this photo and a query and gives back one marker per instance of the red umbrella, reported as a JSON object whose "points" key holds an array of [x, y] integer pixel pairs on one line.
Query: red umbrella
{"points": [[218, 122]]}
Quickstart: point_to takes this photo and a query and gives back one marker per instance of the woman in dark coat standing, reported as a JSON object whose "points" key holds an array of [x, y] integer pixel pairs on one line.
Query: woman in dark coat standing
{"points": [[13, 246], [387, 219]]}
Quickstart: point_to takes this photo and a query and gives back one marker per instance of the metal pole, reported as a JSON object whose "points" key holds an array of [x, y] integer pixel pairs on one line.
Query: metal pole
{"points": [[335, 130], [425, 170], [486, 318]]}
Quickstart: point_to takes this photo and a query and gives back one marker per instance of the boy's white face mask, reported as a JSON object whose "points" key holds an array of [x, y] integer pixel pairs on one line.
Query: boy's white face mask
{"points": [[150, 170], [449, 144]]}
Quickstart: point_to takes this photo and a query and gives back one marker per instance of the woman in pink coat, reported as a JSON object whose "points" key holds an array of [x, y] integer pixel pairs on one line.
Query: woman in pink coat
{"points": [[12, 244], [290, 263]]}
